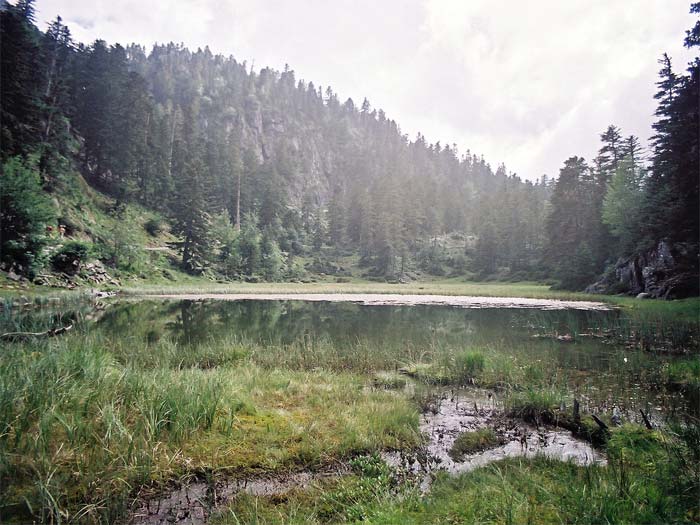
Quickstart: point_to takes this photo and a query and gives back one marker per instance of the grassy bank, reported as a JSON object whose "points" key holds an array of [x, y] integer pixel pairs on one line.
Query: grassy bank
{"points": [[89, 422], [431, 287], [663, 315], [84, 425]]}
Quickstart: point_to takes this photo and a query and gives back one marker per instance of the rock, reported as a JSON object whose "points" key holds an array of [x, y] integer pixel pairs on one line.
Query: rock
{"points": [[667, 271], [616, 418], [99, 294], [13, 276], [644, 295]]}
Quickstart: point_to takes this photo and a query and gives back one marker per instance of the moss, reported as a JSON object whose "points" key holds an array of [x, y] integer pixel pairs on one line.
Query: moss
{"points": [[468, 443], [389, 381]]}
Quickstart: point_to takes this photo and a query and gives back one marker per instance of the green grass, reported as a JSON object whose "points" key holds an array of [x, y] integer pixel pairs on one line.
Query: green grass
{"points": [[432, 287], [684, 371], [389, 380], [471, 442], [88, 420]]}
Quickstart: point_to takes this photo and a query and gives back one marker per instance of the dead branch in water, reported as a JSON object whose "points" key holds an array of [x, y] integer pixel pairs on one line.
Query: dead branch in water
{"points": [[48, 333]]}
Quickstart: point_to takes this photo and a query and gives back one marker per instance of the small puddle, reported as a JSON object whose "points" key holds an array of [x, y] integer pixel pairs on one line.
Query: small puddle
{"points": [[469, 410], [195, 501]]}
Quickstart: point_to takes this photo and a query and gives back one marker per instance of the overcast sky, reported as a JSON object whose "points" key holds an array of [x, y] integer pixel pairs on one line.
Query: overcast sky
{"points": [[526, 83]]}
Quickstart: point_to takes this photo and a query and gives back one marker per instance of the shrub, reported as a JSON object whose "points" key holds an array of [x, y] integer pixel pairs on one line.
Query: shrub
{"points": [[153, 227], [25, 211], [69, 257]]}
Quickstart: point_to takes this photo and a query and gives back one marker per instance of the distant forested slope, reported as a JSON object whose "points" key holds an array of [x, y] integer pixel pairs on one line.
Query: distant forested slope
{"points": [[254, 171]]}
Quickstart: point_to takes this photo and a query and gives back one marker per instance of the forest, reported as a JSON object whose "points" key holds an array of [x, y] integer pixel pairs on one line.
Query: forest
{"points": [[259, 175]]}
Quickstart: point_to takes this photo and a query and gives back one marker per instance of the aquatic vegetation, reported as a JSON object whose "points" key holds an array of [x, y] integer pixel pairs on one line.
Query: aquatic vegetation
{"points": [[652, 483], [81, 424], [468, 366]]}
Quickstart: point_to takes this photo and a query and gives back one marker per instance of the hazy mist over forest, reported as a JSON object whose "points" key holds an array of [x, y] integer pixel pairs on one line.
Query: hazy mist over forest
{"points": [[524, 83], [554, 141]]}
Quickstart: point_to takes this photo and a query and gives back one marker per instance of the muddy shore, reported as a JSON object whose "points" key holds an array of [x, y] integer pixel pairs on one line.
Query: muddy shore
{"points": [[459, 301]]}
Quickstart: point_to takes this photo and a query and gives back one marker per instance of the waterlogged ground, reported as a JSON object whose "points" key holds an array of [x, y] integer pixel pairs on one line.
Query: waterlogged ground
{"points": [[179, 409], [454, 412]]}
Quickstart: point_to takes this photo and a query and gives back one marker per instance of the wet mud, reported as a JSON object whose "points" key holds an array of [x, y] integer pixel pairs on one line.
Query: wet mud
{"points": [[451, 413], [459, 301], [454, 412], [193, 502]]}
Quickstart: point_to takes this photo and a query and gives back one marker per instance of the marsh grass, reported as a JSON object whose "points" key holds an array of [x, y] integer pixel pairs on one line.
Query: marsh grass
{"points": [[90, 421], [535, 404], [650, 324], [389, 380], [85, 421]]}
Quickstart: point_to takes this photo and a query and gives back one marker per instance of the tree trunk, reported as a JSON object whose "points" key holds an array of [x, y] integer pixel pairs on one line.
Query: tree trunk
{"points": [[238, 203]]}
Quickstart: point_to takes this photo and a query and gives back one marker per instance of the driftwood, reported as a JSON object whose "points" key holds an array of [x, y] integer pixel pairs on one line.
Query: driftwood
{"points": [[646, 419], [48, 333]]}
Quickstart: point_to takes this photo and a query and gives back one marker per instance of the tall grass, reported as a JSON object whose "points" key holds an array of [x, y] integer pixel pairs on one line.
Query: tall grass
{"points": [[84, 424]]}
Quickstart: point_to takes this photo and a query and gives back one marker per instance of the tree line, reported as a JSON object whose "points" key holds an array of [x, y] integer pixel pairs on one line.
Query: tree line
{"points": [[255, 170]]}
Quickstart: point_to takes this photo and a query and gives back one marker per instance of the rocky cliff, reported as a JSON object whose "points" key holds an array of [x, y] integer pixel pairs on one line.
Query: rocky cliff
{"points": [[667, 271]]}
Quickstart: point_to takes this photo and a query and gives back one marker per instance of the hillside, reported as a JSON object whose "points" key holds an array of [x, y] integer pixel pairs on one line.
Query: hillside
{"points": [[257, 175]]}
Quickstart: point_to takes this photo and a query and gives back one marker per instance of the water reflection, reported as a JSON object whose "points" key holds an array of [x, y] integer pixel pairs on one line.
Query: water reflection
{"points": [[363, 338], [284, 322]]}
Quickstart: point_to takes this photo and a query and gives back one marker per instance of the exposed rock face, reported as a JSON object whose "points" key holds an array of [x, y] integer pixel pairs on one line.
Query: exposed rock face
{"points": [[667, 271]]}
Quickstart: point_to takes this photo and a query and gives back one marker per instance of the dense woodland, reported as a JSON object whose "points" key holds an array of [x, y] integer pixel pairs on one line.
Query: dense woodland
{"points": [[256, 170]]}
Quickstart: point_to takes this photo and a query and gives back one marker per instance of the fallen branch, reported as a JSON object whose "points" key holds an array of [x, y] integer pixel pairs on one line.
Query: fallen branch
{"points": [[600, 423], [646, 420], [48, 333]]}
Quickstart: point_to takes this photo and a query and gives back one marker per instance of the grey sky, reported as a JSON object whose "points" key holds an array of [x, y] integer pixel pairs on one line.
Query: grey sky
{"points": [[527, 83]]}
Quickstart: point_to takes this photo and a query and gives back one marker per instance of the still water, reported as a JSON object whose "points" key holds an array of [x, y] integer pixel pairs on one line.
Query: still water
{"points": [[363, 338]]}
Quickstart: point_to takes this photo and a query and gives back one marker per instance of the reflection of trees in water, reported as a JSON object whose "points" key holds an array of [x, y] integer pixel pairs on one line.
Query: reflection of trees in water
{"points": [[346, 324], [42, 319]]}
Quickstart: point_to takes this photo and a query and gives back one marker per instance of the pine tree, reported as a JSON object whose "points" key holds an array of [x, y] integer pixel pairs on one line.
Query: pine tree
{"points": [[25, 213], [569, 224], [21, 73]]}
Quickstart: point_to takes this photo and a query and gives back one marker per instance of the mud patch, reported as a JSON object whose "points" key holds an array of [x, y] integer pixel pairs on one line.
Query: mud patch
{"points": [[452, 413], [459, 301], [469, 410], [194, 501]]}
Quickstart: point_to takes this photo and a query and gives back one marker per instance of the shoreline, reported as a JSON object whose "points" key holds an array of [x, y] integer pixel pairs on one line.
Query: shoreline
{"points": [[368, 299]]}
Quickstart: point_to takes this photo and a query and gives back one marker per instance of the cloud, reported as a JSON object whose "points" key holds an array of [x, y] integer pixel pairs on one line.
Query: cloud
{"points": [[525, 83]]}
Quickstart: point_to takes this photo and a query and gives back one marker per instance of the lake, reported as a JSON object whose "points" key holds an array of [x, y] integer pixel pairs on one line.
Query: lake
{"points": [[375, 333]]}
